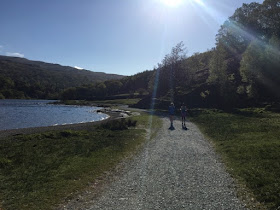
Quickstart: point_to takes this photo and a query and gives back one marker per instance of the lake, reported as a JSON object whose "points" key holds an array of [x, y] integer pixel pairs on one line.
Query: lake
{"points": [[37, 113]]}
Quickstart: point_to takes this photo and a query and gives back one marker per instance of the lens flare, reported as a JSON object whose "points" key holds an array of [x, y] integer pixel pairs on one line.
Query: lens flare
{"points": [[172, 3], [199, 2]]}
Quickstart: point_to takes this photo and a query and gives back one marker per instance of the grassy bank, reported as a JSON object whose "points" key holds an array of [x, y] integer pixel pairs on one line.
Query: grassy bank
{"points": [[127, 101], [249, 142], [38, 171]]}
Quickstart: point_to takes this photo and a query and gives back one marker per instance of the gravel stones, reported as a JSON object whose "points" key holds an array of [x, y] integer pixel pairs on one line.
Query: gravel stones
{"points": [[177, 170]]}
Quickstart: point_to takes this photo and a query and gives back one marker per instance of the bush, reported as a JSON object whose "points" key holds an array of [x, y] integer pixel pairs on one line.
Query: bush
{"points": [[68, 133], [119, 124], [131, 123], [1, 96], [273, 108]]}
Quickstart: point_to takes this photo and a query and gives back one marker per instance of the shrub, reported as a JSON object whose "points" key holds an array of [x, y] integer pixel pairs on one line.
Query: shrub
{"points": [[131, 123], [119, 124]]}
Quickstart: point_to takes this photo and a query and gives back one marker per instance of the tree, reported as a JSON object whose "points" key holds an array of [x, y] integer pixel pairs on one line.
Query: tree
{"points": [[218, 67], [178, 53], [6, 83], [137, 81], [222, 79], [252, 31], [270, 20], [251, 67], [272, 55], [141, 91], [101, 89], [113, 86], [245, 25], [249, 17], [69, 94], [193, 64], [171, 73], [259, 69], [271, 72]]}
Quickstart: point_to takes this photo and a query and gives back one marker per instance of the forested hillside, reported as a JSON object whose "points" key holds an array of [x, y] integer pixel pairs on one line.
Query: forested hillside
{"points": [[176, 77], [242, 70], [246, 62], [22, 78]]}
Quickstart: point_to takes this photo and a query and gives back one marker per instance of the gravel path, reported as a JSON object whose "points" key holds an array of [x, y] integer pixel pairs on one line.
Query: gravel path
{"points": [[176, 170]]}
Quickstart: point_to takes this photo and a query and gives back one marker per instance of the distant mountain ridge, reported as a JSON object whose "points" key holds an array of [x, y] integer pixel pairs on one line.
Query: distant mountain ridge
{"points": [[53, 66], [23, 78]]}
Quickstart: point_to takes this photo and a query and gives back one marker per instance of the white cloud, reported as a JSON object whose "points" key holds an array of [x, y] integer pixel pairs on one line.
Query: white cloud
{"points": [[79, 68], [15, 54]]}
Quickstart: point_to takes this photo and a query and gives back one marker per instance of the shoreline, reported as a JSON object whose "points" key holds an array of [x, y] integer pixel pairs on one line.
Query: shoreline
{"points": [[77, 126]]}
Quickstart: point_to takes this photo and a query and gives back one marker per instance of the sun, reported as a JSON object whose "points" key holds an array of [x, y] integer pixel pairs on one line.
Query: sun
{"points": [[172, 3]]}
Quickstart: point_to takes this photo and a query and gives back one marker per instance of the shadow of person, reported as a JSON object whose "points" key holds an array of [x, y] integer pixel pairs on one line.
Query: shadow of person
{"points": [[184, 127], [171, 128]]}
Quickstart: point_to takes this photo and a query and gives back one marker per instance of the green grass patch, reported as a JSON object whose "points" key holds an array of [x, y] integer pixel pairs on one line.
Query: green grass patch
{"points": [[249, 142], [128, 101], [38, 171]]}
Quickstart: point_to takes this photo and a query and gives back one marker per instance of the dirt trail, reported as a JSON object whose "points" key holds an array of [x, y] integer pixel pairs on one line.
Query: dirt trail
{"points": [[176, 170]]}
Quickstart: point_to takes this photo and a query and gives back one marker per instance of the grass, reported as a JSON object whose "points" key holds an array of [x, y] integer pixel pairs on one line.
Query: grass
{"points": [[127, 101], [39, 171], [249, 142]]}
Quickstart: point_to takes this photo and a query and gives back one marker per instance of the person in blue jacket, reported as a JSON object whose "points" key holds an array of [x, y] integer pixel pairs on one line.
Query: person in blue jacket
{"points": [[171, 110]]}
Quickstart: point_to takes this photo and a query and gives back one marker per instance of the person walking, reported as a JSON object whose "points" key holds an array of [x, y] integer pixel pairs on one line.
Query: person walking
{"points": [[183, 114], [171, 110]]}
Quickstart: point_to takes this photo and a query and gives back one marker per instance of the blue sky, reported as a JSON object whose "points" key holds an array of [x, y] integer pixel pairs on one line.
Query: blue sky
{"points": [[113, 36]]}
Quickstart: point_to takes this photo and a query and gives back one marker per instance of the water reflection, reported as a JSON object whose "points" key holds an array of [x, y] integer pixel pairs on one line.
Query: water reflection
{"points": [[36, 113]]}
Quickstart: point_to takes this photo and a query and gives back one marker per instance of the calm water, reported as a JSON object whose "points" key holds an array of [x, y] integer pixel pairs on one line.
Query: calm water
{"points": [[37, 113]]}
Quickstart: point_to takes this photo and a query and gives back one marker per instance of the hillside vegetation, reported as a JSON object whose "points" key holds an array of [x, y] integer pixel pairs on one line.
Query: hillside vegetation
{"points": [[22, 78], [242, 70]]}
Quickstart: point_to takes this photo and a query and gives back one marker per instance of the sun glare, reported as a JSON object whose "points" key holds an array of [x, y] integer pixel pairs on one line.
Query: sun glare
{"points": [[199, 2], [177, 3], [172, 3]]}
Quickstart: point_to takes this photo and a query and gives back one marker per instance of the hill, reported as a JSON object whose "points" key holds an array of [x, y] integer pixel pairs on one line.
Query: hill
{"points": [[23, 78], [241, 70]]}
